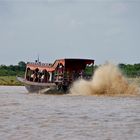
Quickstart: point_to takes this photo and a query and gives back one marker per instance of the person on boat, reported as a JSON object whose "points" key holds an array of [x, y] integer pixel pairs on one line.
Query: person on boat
{"points": [[42, 78], [35, 79], [39, 75], [32, 78]]}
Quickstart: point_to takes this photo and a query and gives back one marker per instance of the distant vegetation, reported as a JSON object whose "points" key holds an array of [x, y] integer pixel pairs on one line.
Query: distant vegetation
{"points": [[13, 70], [8, 73], [130, 70]]}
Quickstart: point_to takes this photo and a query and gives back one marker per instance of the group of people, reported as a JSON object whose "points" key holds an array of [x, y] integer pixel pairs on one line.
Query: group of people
{"points": [[39, 77], [44, 76]]}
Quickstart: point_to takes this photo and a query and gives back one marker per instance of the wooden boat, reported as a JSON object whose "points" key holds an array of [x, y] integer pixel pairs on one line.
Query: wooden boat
{"points": [[44, 77]]}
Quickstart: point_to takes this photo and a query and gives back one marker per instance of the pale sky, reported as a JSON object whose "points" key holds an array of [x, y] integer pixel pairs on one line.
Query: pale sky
{"points": [[104, 30]]}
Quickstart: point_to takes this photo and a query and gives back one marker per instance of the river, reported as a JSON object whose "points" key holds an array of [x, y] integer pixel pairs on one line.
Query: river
{"points": [[25, 116]]}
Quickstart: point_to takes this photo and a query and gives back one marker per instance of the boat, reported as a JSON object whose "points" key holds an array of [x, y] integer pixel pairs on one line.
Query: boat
{"points": [[58, 76]]}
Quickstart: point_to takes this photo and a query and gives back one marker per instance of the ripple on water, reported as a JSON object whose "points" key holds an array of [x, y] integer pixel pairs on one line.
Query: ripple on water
{"points": [[32, 116]]}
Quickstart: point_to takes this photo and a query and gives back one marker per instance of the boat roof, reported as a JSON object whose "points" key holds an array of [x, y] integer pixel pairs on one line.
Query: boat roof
{"points": [[40, 66], [68, 62]]}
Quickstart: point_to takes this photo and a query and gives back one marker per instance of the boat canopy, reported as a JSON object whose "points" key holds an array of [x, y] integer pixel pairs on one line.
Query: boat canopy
{"points": [[69, 64], [78, 64]]}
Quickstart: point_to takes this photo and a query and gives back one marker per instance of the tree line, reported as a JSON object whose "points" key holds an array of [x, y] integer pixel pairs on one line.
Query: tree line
{"points": [[13, 70], [130, 70]]}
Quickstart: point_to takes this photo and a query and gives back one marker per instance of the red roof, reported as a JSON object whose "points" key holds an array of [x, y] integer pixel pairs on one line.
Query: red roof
{"points": [[51, 67]]}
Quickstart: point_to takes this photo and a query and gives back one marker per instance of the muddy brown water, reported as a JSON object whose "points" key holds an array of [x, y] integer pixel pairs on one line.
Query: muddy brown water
{"points": [[26, 116]]}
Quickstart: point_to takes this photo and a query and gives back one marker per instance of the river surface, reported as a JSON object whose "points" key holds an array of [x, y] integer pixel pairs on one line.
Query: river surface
{"points": [[26, 116]]}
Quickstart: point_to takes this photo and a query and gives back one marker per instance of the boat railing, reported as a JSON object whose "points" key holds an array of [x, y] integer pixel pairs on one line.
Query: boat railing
{"points": [[40, 64]]}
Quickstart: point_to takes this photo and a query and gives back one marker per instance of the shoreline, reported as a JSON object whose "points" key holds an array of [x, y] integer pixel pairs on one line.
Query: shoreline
{"points": [[9, 81]]}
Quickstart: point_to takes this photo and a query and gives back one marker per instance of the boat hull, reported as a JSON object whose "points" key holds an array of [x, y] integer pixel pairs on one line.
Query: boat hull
{"points": [[34, 87]]}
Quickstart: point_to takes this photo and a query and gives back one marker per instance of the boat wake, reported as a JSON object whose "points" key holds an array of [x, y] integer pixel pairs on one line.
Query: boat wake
{"points": [[107, 80]]}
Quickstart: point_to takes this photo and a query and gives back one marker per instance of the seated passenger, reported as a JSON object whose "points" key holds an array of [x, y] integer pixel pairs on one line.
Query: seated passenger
{"points": [[32, 77], [42, 78]]}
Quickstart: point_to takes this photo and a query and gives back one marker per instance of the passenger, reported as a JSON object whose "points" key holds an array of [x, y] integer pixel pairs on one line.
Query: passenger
{"points": [[32, 76], [39, 76], [60, 69], [42, 78], [50, 76]]}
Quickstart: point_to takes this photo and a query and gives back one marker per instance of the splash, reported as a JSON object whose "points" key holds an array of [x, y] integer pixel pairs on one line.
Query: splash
{"points": [[107, 80]]}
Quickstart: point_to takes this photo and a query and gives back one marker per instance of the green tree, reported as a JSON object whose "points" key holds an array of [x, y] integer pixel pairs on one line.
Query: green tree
{"points": [[22, 65]]}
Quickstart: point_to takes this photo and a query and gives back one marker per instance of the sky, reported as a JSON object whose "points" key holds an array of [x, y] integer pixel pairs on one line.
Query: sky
{"points": [[103, 30]]}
